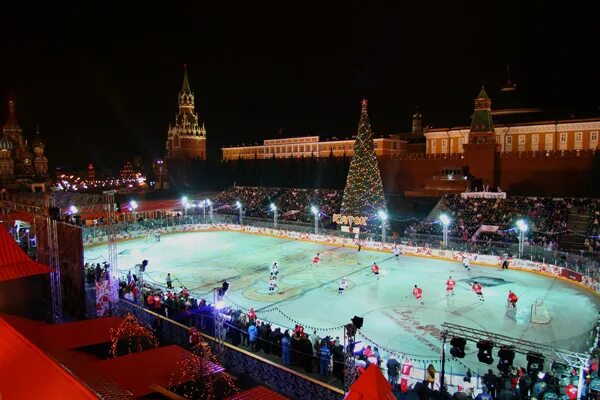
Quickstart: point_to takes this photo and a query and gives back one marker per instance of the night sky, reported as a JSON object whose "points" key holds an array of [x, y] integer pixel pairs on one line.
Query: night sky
{"points": [[102, 81]]}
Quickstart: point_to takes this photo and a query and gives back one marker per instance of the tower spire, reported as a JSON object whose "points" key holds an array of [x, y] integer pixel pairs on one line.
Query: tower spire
{"points": [[185, 87], [482, 125], [509, 86]]}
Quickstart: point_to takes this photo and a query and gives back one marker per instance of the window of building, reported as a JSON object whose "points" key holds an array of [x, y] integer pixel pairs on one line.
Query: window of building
{"points": [[578, 140], [461, 141], [508, 144], [444, 145], [394, 145], [548, 141], [433, 146], [563, 137], [535, 142], [593, 139]]}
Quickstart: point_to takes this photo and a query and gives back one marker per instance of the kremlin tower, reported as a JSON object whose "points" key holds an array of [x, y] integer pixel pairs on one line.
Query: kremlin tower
{"points": [[186, 140]]}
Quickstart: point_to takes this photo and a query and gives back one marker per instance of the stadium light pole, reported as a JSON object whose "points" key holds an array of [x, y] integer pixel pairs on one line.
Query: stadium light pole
{"points": [[184, 202], [315, 211], [445, 220], [239, 206], [133, 205], [210, 210], [522, 227], [383, 216], [274, 209]]}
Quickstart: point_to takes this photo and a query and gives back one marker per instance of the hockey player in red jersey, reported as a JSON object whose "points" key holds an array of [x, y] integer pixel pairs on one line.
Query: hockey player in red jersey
{"points": [[512, 299], [478, 289], [418, 293], [375, 269], [450, 284], [316, 260]]}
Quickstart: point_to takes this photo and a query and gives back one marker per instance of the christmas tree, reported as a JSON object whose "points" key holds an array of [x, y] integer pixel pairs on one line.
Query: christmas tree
{"points": [[363, 194]]}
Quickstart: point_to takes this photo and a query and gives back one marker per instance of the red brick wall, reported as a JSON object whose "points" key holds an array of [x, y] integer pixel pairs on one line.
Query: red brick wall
{"points": [[557, 175]]}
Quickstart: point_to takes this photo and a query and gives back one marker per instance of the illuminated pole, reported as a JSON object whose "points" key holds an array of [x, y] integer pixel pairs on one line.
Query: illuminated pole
{"points": [[315, 211], [383, 216], [239, 206], [204, 209], [133, 204], [274, 209], [522, 227], [210, 210], [184, 202], [445, 220]]}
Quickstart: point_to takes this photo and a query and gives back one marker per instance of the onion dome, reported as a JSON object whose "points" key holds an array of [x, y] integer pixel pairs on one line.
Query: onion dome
{"points": [[5, 143]]}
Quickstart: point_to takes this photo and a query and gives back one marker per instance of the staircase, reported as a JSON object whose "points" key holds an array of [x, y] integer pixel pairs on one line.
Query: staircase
{"points": [[577, 224]]}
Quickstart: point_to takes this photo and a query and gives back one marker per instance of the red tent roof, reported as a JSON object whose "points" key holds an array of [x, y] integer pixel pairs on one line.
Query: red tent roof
{"points": [[28, 373], [154, 366], [14, 263], [371, 385]]}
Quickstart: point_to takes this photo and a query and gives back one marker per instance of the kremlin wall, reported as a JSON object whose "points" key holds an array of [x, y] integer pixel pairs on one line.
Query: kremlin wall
{"points": [[521, 150]]}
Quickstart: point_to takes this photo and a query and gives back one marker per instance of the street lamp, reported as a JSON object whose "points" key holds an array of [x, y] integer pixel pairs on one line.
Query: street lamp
{"points": [[445, 220], [210, 209], [315, 211], [133, 205], [383, 216], [239, 206], [522, 227], [204, 209], [184, 201], [73, 210], [274, 209]]}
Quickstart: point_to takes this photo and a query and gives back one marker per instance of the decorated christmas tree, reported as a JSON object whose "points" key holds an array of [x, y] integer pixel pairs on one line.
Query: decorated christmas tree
{"points": [[363, 194]]}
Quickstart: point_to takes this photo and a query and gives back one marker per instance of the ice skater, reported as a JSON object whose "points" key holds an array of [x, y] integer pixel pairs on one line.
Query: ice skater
{"points": [[316, 260], [466, 263], [512, 299], [375, 270], [450, 284], [272, 284], [274, 269], [343, 284], [478, 289], [418, 293], [397, 251], [505, 263], [169, 281]]}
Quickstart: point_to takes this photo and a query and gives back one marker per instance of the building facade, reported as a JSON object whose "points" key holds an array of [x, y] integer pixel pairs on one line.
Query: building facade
{"points": [[186, 140], [21, 163], [534, 135], [310, 146]]}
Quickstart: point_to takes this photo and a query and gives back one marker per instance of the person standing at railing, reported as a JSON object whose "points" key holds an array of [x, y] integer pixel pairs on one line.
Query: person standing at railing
{"points": [[286, 348]]}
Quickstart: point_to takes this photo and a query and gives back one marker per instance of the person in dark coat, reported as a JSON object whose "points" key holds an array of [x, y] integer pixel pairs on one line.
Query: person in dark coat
{"points": [[338, 360], [235, 334], [276, 339], [307, 348]]}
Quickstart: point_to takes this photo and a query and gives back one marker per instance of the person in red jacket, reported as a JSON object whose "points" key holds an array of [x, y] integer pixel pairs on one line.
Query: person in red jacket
{"points": [[450, 284], [571, 391], [478, 289], [512, 299], [418, 293], [375, 269]]}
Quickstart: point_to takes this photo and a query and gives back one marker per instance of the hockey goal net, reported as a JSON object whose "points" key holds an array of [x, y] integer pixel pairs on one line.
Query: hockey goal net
{"points": [[539, 312]]}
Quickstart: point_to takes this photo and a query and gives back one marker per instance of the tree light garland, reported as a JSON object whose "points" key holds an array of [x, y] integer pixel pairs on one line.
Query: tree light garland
{"points": [[131, 329]]}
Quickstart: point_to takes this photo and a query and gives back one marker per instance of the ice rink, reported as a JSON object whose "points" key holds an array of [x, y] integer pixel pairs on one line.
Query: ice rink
{"points": [[392, 317]]}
